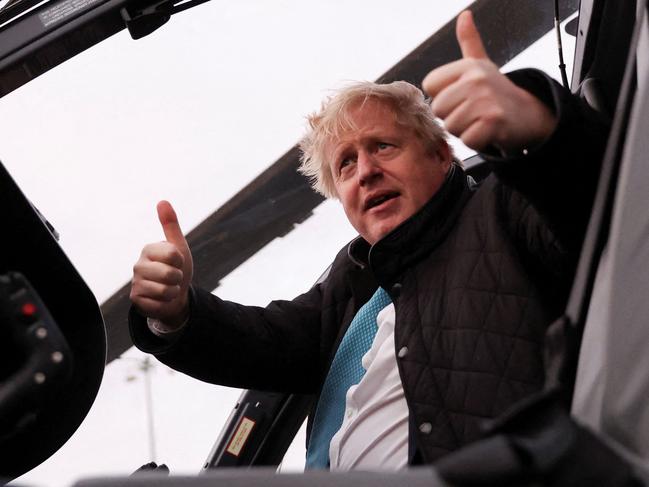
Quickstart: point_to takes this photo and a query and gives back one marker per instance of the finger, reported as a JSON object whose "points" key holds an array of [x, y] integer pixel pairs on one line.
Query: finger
{"points": [[155, 291], [158, 272], [170, 312], [476, 123], [450, 98], [164, 252], [441, 77], [477, 136], [151, 308], [461, 118], [170, 225], [468, 37]]}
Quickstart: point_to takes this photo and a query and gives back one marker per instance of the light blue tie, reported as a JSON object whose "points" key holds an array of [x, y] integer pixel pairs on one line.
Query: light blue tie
{"points": [[346, 370]]}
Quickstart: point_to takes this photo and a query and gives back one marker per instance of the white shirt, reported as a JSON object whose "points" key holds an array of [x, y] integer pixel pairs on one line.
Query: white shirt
{"points": [[374, 433]]}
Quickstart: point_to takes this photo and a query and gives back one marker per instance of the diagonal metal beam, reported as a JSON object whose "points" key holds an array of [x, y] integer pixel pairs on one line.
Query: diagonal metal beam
{"points": [[272, 204]]}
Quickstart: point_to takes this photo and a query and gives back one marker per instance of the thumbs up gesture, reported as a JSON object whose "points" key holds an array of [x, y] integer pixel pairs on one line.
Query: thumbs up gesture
{"points": [[162, 274], [482, 106]]}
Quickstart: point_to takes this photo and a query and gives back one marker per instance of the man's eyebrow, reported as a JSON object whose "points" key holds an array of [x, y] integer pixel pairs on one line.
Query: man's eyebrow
{"points": [[339, 148]]}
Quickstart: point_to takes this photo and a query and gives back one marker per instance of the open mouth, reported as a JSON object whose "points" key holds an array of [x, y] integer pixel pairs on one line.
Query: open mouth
{"points": [[379, 200]]}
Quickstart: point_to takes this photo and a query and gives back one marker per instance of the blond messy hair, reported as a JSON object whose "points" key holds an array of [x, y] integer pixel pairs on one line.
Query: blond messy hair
{"points": [[411, 109]]}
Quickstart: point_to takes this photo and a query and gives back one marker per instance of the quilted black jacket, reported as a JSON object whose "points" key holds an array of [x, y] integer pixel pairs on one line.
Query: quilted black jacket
{"points": [[476, 276]]}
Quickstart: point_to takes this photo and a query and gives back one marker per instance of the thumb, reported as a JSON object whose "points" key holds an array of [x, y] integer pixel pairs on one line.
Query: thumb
{"points": [[170, 225], [468, 37]]}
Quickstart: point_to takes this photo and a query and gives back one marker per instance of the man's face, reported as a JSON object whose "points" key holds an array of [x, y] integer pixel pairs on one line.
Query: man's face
{"points": [[383, 172]]}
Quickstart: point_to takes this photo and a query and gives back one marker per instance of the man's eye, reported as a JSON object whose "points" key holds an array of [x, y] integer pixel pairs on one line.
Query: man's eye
{"points": [[345, 162], [383, 145]]}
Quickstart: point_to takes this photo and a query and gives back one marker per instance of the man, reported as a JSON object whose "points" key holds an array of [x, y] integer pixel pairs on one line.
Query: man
{"points": [[469, 276]]}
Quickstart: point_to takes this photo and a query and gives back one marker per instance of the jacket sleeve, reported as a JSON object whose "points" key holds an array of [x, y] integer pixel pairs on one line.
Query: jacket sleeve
{"points": [[273, 348], [559, 177]]}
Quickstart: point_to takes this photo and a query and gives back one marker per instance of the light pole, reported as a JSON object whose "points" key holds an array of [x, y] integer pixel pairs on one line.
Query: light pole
{"points": [[145, 365]]}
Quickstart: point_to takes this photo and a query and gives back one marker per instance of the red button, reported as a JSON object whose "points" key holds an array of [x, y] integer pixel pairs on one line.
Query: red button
{"points": [[28, 309]]}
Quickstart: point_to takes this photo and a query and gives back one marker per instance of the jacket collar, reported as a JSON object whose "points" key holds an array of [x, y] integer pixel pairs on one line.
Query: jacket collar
{"points": [[418, 235]]}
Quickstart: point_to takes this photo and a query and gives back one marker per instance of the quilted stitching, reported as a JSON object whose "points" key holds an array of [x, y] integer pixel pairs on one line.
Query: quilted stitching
{"points": [[473, 323], [469, 313]]}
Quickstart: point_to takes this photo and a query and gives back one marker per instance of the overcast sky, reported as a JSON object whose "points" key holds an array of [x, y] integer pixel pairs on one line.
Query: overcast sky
{"points": [[191, 114]]}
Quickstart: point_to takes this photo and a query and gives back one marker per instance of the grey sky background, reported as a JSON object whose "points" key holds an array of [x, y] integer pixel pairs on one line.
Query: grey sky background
{"points": [[191, 114]]}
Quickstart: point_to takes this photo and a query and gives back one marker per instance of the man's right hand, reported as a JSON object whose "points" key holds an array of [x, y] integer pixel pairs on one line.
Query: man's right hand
{"points": [[162, 274]]}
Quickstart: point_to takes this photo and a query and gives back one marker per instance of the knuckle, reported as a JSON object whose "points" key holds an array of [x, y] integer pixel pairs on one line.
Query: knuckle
{"points": [[156, 290], [430, 83], [172, 275], [493, 118], [476, 75], [148, 249], [172, 292], [172, 256], [135, 288], [452, 128], [436, 106], [167, 246], [471, 138]]}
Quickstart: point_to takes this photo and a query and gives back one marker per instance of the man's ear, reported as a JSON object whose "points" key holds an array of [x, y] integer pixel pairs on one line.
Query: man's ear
{"points": [[443, 153]]}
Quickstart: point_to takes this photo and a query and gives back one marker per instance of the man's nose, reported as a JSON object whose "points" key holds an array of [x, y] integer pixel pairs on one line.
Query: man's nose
{"points": [[367, 168]]}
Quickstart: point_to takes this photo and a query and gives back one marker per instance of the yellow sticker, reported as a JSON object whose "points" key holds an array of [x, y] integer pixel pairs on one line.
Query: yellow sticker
{"points": [[240, 436]]}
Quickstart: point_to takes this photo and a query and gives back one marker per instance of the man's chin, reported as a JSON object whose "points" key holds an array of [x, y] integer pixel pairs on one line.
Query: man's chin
{"points": [[381, 229]]}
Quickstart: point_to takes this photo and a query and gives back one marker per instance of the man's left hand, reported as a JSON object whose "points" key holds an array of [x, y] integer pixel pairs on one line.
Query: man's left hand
{"points": [[482, 106]]}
